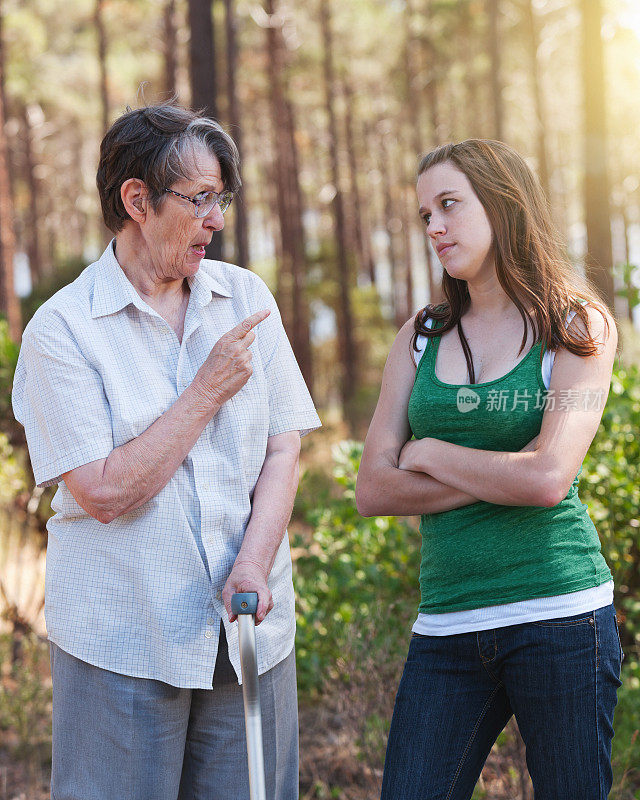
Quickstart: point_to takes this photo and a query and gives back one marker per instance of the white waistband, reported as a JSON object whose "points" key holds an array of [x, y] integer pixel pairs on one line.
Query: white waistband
{"points": [[482, 619]]}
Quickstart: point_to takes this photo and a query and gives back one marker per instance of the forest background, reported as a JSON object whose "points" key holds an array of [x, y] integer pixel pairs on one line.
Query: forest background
{"points": [[331, 104]]}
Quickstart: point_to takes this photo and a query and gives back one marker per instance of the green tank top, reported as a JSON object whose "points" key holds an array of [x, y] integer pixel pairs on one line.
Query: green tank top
{"points": [[486, 554]]}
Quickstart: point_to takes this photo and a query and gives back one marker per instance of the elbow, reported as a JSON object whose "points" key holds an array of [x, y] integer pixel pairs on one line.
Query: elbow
{"points": [[99, 499], [105, 516], [363, 507], [551, 491], [363, 502], [368, 498], [101, 507], [552, 498]]}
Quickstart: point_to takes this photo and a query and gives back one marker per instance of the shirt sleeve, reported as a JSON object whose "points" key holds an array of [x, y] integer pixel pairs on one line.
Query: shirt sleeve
{"points": [[59, 399], [290, 405]]}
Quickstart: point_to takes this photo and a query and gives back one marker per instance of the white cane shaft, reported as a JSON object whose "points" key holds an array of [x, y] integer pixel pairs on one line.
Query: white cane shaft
{"points": [[252, 715]]}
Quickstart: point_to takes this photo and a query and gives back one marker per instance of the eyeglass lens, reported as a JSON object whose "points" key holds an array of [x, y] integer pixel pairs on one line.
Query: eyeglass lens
{"points": [[208, 200]]}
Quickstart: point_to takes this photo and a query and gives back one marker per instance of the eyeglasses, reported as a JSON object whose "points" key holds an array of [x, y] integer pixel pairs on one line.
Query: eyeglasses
{"points": [[205, 201]]}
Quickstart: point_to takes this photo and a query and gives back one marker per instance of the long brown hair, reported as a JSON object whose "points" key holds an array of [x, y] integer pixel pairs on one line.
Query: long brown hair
{"points": [[529, 254]]}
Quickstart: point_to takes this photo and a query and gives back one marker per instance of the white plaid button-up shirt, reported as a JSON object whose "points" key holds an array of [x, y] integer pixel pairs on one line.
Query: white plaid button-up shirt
{"points": [[142, 595]]}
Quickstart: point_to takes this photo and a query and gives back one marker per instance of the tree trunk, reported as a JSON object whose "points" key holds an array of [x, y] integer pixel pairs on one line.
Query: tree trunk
{"points": [[414, 100], [430, 66], [285, 248], [202, 73], [102, 63], [292, 271], [369, 210], [345, 312], [32, 183], [473, 97], [7, 110], [414, 107], [493, 41], [239, 206], [599, 261], [533, 40], [391, 223], [170, 49], [81, 220], [9, 305], [406, 209], [361, 244], [627, 260], [101, 34]]}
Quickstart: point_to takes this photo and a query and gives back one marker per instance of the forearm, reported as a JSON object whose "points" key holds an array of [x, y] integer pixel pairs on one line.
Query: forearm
{"points": [[135, 472], [386, 490], [271, 508], [504, 478]]}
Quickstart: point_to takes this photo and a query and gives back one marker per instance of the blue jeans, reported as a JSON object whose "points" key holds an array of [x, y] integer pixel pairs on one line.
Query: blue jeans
{"points": [[558, 677]]}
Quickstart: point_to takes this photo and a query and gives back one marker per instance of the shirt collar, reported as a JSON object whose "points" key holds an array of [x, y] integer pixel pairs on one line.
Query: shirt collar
{"points": [[113, 291], [203, 284]]}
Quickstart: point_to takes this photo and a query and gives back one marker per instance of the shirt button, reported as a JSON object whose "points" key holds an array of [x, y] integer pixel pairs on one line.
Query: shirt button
{"points": [[211, 621], [208, 634]]}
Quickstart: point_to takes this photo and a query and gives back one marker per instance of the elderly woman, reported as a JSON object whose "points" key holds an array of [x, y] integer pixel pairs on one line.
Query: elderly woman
{"points": [[175, 446]]}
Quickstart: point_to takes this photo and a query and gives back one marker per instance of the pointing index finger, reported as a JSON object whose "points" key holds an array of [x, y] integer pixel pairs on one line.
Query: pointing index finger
{"points": [[248, 324]]}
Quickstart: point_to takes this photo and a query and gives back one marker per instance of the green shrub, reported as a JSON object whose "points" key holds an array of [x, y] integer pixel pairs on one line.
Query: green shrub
{"points": [[610, 486], [625, 755], [25, 696], [12, 476], [8, 359], [357, 582]]}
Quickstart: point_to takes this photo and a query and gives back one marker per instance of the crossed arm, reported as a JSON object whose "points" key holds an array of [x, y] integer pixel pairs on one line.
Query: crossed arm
{"points": [[397, 476]]}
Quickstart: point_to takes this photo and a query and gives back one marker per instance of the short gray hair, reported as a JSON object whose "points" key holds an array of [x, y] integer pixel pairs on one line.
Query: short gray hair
{"points": [[153, 144]]}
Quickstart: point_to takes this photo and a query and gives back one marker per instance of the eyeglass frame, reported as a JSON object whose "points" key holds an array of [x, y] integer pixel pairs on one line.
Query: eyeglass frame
{"points": [[193, 200]]}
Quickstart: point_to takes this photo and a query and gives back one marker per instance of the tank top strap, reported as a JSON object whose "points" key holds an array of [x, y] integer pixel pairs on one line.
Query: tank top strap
{"points": [[426, 365], [567, 319]]}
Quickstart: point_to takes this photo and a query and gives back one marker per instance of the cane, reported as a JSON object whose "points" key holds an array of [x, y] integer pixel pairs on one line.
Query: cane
{"points": [[245, 605]]}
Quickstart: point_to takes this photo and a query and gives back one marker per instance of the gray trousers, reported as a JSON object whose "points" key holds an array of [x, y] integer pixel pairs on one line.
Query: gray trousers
{"points": [[121, 738]]}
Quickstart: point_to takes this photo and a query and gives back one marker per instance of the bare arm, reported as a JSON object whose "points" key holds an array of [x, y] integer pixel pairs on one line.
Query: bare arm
{"points": [[271, 509], [541, 477], [382, 487], [136, 471]]}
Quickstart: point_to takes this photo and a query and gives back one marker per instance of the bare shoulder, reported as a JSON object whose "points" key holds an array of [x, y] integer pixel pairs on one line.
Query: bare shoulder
{"points": [[398, 375], [402, 353], [570, 370], [389, 428], [601, 326]]}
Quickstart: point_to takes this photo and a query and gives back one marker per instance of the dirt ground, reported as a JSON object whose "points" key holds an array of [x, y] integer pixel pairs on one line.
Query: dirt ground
{"points": [[330, 767]]}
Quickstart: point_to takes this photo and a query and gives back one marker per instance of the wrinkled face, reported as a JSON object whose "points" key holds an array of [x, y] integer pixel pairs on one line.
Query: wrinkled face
{"points": [[456, 222], [174, 236]]}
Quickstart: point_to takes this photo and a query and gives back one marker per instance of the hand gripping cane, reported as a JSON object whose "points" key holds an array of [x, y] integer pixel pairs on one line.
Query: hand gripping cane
{"points": [[245, 606]]}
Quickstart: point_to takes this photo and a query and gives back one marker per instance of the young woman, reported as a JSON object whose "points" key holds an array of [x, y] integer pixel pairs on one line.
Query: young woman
{"points": [[489, 403]]}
